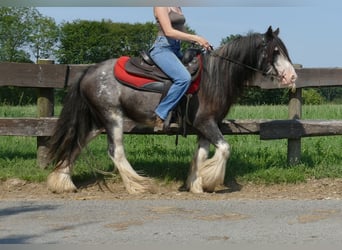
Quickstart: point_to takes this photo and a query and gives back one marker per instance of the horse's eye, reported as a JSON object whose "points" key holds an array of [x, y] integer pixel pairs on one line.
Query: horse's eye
{"points": [[276, 51]]}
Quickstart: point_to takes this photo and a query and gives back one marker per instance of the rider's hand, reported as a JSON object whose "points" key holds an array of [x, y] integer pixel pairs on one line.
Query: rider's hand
{"points": [[203, 43]]}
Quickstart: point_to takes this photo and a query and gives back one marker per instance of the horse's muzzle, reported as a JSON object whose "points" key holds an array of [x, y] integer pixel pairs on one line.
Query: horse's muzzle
{"points": [[288, 77]]}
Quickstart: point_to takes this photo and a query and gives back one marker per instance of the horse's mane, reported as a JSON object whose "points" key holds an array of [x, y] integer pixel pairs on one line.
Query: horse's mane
{"points": [[223, 80]]}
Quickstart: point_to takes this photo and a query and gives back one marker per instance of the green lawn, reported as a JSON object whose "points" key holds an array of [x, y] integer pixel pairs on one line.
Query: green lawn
{"points": [[252, 160]]}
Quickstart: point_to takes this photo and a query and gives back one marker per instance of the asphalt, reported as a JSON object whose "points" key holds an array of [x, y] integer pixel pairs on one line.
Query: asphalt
{"points": [[132, 223]]}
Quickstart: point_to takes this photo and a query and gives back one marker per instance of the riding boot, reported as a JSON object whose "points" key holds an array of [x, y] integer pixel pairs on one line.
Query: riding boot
{"points": [[158, 124]]}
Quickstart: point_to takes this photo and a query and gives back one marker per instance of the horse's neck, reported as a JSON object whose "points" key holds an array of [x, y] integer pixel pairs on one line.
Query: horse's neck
{"points": [[224, 74], [242, 50]]}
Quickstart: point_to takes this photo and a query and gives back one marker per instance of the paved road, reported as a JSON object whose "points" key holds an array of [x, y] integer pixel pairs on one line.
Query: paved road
{"points": [[131, 222]]}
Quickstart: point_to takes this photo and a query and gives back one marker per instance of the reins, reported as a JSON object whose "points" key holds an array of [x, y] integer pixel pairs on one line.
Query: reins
{"points": [[264, 73], [239, 63]]}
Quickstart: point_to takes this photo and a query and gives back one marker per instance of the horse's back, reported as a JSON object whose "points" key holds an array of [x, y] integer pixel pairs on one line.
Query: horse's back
{"points": [[98, 84], [104, 92]]}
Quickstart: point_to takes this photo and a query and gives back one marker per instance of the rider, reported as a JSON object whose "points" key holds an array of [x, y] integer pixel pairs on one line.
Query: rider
{"points": [[166, 53]]}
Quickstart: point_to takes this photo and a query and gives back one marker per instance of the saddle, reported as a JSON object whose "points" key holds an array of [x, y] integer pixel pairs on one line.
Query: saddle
{"points": [[143, 74]]}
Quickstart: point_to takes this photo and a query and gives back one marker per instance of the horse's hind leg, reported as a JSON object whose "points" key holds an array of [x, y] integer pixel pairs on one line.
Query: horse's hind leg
{"points": [[133, 182], [59, 180]]}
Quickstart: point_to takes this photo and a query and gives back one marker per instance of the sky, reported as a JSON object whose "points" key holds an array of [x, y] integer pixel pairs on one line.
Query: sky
{"points": [[311, 30]]}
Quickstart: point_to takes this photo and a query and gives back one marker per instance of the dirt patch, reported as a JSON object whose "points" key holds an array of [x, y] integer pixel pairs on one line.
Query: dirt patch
{"points": [[123, 226], [114, 190], [316, 216], [220, 217]]}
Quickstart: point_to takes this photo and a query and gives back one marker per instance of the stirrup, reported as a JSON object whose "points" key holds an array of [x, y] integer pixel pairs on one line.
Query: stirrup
{"points": [[169, 124]]}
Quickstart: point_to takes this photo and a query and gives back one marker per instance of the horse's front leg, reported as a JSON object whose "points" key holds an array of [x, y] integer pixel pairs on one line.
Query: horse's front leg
{"points": [[194, 181], [209, 173], [213, 170]]}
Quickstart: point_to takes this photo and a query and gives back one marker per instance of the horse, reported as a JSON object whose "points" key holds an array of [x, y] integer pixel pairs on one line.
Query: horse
{"points": [[99, 101]]}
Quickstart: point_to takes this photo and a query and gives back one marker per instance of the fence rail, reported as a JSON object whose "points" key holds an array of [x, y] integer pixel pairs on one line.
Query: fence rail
{"points": [[47, 76], [267, 129]]}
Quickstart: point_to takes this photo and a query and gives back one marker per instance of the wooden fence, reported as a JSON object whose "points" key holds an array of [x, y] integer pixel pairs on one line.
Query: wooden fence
{"points": [[47, 76]]}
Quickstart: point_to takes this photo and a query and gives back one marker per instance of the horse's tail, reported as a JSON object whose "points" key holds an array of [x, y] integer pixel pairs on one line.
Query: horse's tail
{"points": [[72, 128]]}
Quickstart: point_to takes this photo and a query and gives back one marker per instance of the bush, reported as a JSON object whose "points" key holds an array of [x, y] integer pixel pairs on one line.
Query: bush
{"points": [[17, 96], [257, 96], [311, 96]]}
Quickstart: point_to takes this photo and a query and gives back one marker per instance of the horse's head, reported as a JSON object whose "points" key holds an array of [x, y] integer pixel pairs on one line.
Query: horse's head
{"points": [[275, 60]]}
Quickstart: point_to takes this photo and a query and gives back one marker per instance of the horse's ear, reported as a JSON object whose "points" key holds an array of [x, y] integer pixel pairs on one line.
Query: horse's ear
{"points": [[276, 32], [269, 32]]}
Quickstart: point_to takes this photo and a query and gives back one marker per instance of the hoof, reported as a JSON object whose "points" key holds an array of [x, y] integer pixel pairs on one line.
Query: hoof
{"points": [[140, 185], [59, 182], [195, 186]]}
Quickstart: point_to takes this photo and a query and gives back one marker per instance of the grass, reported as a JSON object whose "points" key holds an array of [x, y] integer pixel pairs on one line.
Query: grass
{"points": [[252, 160]]}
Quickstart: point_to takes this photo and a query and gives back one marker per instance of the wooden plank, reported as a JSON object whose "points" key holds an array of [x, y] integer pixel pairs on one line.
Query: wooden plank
{"points": [[307, 77], [75, 72], [268, 129], [33, 75], [227, 127], [44, 127], [319, 77], [60, 75], [264, 83], [295, 129], [27, 126], [240, 127]]}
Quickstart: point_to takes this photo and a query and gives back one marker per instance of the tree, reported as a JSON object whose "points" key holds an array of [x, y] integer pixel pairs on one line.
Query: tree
{"points": [[331, 94], [25, 32], [229, 39], [44, 37], [15, 28], [92, 41]]}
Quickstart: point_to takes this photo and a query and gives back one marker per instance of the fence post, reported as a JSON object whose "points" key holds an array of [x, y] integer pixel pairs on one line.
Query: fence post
{"points": [[45, 106], [295, 112]]}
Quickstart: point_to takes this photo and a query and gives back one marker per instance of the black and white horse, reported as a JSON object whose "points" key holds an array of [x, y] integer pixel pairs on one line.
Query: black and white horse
{"points": [[99, 101]]}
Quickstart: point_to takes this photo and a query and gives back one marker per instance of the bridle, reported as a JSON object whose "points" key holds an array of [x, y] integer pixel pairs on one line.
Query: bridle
{"points": [[267, 73]]}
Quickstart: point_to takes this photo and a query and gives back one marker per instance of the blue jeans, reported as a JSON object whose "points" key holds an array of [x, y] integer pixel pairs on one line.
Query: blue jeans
{"points": [[166, 54]]}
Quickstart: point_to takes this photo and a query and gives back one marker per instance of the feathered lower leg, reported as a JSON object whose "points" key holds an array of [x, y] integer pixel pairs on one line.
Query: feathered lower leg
{"points": [[194, 182], [59, 180]]}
